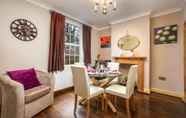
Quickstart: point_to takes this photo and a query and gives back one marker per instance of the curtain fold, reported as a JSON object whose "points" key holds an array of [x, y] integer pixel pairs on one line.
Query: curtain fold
{"points": [[56, 48], [87, 44]]}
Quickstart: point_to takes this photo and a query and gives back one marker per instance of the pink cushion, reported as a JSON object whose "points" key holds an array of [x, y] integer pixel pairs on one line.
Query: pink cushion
{"points": [[90, 69], [27, 77]]}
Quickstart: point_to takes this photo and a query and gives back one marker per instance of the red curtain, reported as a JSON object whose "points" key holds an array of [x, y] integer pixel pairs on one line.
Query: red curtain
{"points": [[87, 44], [56, 49]]}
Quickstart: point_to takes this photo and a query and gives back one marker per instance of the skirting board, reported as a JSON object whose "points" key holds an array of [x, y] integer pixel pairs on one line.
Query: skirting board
{"points": [[166, 92], [63, 91], [184, 100]]}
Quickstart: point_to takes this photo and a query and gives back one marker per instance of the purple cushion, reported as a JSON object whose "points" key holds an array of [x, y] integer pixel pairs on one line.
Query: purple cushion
{"points": [[27, 77]]}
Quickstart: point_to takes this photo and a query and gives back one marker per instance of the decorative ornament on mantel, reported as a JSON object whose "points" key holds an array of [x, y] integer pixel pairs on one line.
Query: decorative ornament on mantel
{"points": [[105, 5], [23, 30], [127, 44]]}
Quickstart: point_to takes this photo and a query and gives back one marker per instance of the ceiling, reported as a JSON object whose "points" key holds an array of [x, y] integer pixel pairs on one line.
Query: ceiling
{"points": [[83, 9]]}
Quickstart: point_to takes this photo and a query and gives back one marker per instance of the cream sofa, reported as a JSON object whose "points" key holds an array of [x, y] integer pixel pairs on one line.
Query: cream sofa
{"points": [[19, 103]]}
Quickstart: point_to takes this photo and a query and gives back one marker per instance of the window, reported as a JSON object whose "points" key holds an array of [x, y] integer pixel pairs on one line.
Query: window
{"points": [[72, 43]]}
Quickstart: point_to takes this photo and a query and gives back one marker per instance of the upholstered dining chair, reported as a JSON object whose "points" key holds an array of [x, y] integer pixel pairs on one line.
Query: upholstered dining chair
{"points": [[127, 91], [113, 66], [83, 88]]}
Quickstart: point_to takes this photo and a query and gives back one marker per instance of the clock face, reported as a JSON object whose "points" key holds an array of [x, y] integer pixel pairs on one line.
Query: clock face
{"points": [[23, 30]]}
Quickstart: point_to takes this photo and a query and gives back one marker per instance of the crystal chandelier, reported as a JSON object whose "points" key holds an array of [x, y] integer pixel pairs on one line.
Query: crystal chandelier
{"points": [[104, 5]]}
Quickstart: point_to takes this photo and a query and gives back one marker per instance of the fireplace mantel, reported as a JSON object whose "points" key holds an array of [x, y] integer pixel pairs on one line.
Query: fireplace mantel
{"points": [[133, 57], [138, 61]]}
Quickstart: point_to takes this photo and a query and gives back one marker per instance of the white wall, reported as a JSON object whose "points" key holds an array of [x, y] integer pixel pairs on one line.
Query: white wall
{"points": [[94, 44], [18, 54], [167, 59], [105, 52], [63, 79], [139, 27]]}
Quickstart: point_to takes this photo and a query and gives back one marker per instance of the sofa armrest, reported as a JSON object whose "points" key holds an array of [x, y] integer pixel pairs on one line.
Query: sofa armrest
{"points": [[46, 79], [12, 95]]}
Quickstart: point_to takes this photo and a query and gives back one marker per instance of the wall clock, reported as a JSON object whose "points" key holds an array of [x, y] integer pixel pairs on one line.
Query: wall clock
{"points": [[23, 30]]}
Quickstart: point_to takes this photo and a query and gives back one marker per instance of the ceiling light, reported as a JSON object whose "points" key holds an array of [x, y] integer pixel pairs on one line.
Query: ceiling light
{"points": [[104, 5]]}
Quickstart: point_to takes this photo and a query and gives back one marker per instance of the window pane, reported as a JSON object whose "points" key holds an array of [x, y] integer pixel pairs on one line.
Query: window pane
{"points": [[67, 38], [72, 29], [76, 35], [77, 50], [72, 38], [67, 49], [76, 40], [72, 41], [76, 58], [66, 27], [72, 60], [67, 58], [72, 49]]}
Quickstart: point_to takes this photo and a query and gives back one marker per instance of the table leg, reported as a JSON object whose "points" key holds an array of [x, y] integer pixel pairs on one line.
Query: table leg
{"points": [[109, 104], [82, 101], [102, 102], [88, 108]]}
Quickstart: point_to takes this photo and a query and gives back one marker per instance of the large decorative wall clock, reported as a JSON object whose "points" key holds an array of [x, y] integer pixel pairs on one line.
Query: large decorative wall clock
{"points": [[23, 30]]}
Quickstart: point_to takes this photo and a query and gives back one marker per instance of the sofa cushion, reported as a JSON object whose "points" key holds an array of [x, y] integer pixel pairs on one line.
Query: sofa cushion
{"points": [[35, 93], [27, 77]]}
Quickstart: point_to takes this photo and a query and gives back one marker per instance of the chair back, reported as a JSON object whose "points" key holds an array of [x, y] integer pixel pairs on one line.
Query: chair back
{"points": [[80, 80], [113, 66], [132, 77]]}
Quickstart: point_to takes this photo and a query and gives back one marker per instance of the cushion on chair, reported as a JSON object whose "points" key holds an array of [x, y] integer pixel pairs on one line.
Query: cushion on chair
{"points": [[95, 91], [35, 93], [118, 90], [27, 77]]}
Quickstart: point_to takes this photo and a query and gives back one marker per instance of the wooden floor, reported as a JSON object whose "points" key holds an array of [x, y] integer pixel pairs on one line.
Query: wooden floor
{"points": [[147, 106]]}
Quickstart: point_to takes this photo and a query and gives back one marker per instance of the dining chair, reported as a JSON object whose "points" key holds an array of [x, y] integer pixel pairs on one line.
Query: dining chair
{"points": [[83, 88], [113, 66], [127, 91]]}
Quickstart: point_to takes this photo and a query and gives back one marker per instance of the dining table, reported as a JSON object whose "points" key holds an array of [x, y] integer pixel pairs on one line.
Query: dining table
{"points": [[103, 80]]}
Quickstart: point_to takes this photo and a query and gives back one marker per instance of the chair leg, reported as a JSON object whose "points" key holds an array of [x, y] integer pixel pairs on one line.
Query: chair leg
{"points": [[106, 102], [115, 100], [75, 103], [88, 108], [133, 103], [128, 108], [102, 102]]}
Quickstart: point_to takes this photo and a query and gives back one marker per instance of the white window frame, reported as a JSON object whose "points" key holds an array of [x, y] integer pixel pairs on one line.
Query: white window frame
{"points": [[67, 20]]}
